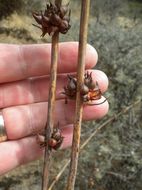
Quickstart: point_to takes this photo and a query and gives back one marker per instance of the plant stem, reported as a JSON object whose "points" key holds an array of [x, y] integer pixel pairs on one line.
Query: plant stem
{"points": [[51, 105], [79, 106], [93, 134]]}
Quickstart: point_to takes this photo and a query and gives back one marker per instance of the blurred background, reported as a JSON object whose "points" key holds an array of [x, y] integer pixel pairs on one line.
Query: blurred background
{"points": [[113, 157]]}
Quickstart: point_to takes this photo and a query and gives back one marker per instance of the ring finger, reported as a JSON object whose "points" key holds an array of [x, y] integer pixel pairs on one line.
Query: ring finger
{"points": [[22, 121]]}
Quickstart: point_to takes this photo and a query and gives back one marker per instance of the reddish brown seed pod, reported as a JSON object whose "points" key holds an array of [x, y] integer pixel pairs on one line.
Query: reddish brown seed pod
{"points": [[52, 142], [56, 138]]}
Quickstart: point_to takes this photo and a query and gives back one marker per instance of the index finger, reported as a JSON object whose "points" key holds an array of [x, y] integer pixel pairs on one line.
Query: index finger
{"points": [[18, 62]]}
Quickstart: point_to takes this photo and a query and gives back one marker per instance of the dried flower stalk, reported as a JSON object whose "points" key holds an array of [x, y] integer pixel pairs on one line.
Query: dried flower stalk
{"points": [[79, 103], [93, 134], [51, 105], [55, 19]]}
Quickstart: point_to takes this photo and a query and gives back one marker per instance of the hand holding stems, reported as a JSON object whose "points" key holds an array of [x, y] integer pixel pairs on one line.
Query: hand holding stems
{"points": [[23, 97]]}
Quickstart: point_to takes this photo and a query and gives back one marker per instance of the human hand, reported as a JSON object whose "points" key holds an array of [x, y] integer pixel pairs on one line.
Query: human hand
{"points": [[24, 84]]}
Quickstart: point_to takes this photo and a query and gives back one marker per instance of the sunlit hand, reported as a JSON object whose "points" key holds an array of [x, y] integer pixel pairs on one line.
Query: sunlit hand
{"points": [[24, 86]]}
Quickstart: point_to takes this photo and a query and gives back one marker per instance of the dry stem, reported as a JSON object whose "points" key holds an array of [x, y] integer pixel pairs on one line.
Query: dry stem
{"points": [[51, 105], [79, 106], [111, 119]]}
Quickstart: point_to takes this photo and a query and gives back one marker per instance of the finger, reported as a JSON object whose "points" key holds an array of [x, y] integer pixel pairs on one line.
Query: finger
{"points": [[29, 119], [20, 62], [36, 90], [16, 153]]}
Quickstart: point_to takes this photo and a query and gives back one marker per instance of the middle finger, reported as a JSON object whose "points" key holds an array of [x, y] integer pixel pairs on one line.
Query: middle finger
{"points": [[36, 89]]}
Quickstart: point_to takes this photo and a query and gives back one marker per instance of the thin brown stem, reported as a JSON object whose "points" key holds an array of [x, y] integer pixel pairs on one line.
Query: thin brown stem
{"points": [[79, 105], [51, 105], [111, 119]]}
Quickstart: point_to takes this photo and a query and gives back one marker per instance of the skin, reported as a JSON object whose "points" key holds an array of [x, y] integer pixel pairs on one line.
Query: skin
{"points": [[24, 83]]}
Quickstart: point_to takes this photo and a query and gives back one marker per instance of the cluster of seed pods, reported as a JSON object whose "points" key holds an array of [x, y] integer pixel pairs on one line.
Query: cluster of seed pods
{"points": [[89, 91], [55, 140], [54, 19]]}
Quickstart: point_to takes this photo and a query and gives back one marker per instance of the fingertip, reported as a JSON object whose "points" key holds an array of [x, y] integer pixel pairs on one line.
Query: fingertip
{"points": [[102, 109], [69, 56], [92, 56], [93, 112], [101, 78]]}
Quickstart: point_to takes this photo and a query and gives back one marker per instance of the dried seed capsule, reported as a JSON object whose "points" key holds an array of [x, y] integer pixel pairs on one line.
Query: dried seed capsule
{"points": [[38, 18], [84, 90], [91, 85], [56, 139], [52, 142], [85, 98], [72, 83], [56, 133], [88, 81], [64, 26], [95, 94]]}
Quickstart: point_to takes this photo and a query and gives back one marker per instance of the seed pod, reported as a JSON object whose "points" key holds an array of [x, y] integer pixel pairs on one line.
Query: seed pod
{"points": [[72, 84], [38, 18], [64, 26], [95, 94], [88, 81], [85, 98], [56, 134], [45, 21], [91, 85], [56, 138], [52, 142], [84, 90]]}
